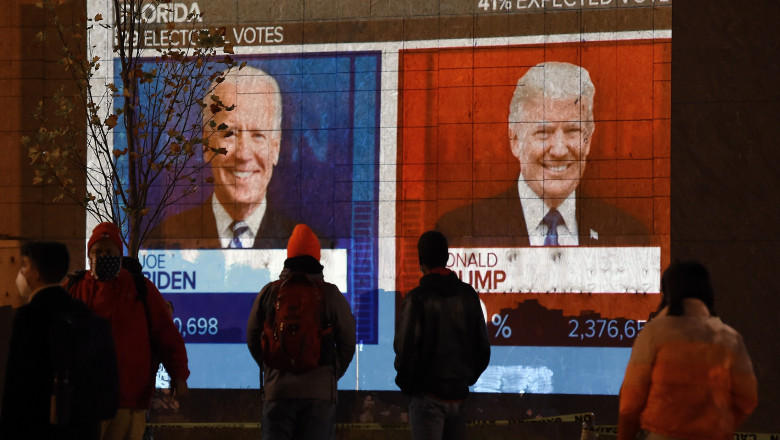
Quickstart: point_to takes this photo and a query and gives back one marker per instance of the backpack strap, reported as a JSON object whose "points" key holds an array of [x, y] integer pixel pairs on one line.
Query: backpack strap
{"points": [[140, 288], [133, 266], [74, 277], [264, 313]]}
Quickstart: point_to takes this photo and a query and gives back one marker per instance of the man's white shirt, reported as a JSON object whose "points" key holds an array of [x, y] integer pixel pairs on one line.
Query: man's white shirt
{"points": [[534, 210], [224, 220]]}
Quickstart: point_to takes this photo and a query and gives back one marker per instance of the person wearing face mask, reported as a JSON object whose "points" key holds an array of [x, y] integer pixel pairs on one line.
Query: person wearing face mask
{"points": [[109, 290], [61, 361]]}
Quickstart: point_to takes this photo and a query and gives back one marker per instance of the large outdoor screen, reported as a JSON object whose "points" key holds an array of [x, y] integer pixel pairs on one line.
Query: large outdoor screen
{"points": [[535, 135]]}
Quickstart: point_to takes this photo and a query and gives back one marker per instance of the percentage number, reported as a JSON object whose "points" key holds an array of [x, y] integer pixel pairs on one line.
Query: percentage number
{"points": [[502, 328], [495, 5]]}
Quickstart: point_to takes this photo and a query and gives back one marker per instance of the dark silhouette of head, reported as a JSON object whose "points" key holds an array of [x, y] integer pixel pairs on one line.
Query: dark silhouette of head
{"points": [[686, 279], [50, 258], [132, 264], [432, 250]]}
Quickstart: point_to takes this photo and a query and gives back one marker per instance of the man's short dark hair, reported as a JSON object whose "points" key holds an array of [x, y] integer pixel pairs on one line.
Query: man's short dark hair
{"points": [[686, 279], [432, 249], [51, 258]]}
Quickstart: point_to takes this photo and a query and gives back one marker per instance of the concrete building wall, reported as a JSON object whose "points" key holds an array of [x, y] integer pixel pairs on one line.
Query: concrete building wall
{"points": [[29, 72]]}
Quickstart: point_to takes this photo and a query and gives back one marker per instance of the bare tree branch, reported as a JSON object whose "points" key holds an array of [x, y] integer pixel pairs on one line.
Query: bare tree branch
{"points": [[114, 174]]}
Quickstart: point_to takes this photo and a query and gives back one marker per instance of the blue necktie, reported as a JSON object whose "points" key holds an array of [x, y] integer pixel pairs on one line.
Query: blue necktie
{"points": [[238, 227], [552, 220]]}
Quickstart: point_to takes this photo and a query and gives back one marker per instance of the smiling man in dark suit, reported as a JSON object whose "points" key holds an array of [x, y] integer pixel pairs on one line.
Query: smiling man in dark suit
{"points": [[551, 127], [237, 214]]}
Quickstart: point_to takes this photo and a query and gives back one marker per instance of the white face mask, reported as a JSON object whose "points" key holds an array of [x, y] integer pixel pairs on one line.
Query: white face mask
{"points": [[22, 286]]}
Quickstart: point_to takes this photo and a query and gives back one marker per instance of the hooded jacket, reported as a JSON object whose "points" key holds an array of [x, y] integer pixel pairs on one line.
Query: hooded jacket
{"points": [[441, 341], [688, 377], [319, 383], [117, 301]]}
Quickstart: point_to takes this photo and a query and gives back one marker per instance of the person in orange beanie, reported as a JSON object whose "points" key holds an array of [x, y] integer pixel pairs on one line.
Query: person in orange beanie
{"points": [[301, 333], [303, 241]]}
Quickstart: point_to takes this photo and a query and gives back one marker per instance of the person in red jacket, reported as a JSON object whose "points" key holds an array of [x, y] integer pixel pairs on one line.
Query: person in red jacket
{"points": [[110, 291]]}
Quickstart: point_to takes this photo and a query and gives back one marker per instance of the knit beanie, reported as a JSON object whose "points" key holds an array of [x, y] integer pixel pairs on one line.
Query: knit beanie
{"points": [[105, 230], [303, 241]]}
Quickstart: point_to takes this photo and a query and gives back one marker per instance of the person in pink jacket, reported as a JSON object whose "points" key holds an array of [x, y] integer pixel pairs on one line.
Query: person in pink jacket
{"points": [[689, 375]]}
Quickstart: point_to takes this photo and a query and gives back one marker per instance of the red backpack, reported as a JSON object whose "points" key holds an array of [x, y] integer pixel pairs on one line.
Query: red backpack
{"points": [[293, 329]]}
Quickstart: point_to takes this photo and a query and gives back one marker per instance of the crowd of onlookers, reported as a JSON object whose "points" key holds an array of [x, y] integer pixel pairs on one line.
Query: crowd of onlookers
{"points": [[85, 348]]}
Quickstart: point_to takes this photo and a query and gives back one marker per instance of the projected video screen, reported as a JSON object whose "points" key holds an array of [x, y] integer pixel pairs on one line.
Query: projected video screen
{"points": [[534, 135], [495, 139]]}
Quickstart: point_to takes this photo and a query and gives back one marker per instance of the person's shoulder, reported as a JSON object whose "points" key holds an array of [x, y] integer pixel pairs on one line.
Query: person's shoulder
{"points": [[657, 322], [464, 287], [334, 299], [331, 292], [77, 308], [727, 331], [75, 278], [415, 293], [62, 304], [268, 288], [420, 294], [330, 287], [51, 297], [665, 328]]}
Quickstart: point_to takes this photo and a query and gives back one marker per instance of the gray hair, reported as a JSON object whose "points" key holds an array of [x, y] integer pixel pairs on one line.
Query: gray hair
{"points": [[554, 80], [247, 76]]}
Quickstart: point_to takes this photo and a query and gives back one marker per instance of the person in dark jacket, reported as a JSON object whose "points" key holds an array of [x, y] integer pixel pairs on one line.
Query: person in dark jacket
{"points": [[302, 405], [441, 345], [30, 405]]}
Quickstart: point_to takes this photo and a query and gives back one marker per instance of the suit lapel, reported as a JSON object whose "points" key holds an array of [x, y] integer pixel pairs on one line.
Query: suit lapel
{"points": [[274, 230], [587, 229], [517, 219], [209, 227]]}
